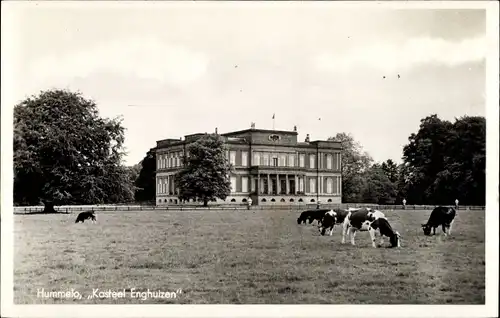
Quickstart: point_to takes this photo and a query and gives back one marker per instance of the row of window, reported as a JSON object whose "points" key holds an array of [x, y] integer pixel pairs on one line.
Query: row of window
{"points": [[169, 160], [163, 186], [328, 161], [285, 160], [329, 185]]}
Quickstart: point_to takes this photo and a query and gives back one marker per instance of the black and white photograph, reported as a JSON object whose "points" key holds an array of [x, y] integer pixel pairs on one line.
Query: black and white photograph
{"points": [[312, 156]]}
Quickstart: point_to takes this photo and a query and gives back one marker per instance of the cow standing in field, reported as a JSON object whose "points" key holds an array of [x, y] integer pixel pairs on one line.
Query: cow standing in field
{"points": [[312, 215], [86, 215], [371, 221], [335, 216], [440, 216]]}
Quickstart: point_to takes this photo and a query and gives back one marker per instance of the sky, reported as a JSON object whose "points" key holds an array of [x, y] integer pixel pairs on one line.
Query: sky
{"points": [[178, 69]]}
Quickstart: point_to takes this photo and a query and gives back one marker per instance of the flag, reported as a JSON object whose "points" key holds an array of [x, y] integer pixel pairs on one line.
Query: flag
{"points": [[273, 116]]}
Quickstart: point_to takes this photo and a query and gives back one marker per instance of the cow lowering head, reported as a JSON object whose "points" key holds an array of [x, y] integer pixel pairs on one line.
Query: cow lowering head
{"points": [[386, 229], [328, 221], [427, 229], [304, 216]]}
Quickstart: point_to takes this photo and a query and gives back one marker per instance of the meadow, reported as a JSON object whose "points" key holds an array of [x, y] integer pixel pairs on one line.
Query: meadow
{"points": [[245, 257]]}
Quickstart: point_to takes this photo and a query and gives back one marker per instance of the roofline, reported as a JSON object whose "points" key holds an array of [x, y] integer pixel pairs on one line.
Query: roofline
{"points": [[332, 141], [260, 130]]}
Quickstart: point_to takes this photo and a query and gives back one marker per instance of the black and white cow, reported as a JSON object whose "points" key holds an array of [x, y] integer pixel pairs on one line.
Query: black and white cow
{"points": [[369, 220], [335, 216], [312, 215], [441, 216]]}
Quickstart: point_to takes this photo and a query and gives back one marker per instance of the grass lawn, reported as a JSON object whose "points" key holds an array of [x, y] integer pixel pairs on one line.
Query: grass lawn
{"points": [[245, 257]]}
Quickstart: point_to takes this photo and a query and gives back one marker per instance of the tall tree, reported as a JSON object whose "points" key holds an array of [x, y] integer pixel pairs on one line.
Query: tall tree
{"points": [[445, 161], [146, 181], [64, 153], [205, 175], [425, 154], [464, 176], [355, 161]]}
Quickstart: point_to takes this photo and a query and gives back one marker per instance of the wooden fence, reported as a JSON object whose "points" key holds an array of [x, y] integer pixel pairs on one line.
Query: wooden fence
{"points": [[191, 207]]}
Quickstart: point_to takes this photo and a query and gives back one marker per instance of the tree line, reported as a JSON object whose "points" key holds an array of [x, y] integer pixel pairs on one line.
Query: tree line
{"points": [[442, 161], [65, 153]]}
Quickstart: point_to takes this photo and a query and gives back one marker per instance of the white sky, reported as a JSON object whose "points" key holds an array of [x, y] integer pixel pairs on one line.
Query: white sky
{"points": [[193, 67]]}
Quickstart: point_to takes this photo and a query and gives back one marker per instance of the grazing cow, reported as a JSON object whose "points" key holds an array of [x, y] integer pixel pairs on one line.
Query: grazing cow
{"points": [[335, 216], [443, 216], [312, 215], [86, 215], [371, 221]]}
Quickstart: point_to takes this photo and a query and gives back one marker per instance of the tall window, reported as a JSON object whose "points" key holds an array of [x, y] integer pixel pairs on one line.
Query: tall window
{"points": [[291, 160], [329, 161], [232, 157], [275, 162], [282, 160], [312, 185], [244, 158], [329, 185], [266, 159], [301, 184], [302, 160], [256, 159], [312, 161], [233, 184], [244, 184]]}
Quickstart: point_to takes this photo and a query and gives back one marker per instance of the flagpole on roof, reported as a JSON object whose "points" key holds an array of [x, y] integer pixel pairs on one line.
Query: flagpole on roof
{"points": [[273, 120]]}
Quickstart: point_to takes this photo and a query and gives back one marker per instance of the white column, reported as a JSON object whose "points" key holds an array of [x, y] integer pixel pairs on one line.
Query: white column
{"points": [[287, 184], [268, 184], [278, 184]]}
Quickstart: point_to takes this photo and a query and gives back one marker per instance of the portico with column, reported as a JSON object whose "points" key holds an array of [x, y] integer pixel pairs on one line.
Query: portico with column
{"points": [[266, 182]]}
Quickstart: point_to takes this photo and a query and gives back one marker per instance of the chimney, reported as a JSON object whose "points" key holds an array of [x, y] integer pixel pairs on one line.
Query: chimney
{"points": [[294, 128], [216, 130], [307, 138], [252, 125]]}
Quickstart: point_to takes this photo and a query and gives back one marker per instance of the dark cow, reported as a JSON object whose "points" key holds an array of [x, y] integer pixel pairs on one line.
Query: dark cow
{"points": [[87, 215], [371, 221], [441, 216], [312, 215], [335, 216]]}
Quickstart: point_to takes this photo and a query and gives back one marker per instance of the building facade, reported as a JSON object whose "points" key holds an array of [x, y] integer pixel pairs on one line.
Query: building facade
{"points": [[269, 166]]}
